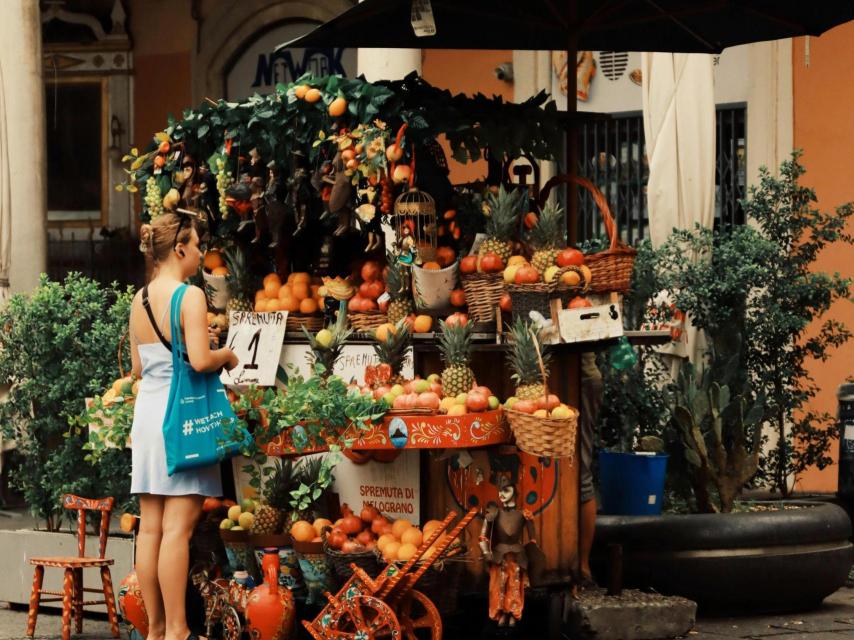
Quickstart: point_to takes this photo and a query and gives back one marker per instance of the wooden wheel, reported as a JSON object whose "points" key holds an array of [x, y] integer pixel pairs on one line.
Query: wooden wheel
{"points": [[362, 617], [231, 627], [419, 617]]}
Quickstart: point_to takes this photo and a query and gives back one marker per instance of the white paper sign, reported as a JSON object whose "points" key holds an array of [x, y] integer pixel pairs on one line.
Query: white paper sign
{"points": [[393, 487], [591, 323], [423, 23], [256, 339], [350, 366]]}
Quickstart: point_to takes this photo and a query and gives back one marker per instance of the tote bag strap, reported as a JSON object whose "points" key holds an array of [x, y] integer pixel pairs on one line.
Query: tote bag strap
{"points": [[180, 349]]}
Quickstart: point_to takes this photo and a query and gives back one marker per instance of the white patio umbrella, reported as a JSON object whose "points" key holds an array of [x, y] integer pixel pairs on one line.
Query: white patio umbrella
{"points": [[679, 126], [5, 199]]}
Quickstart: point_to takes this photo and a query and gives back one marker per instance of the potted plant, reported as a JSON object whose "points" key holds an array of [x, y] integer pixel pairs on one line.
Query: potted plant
{"points": [[58, 344], [776, 557]]}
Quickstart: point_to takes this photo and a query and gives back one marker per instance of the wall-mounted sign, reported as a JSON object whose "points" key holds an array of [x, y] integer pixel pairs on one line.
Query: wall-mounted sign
{"points": [[350, 366], [260, 67], [393, 488]]}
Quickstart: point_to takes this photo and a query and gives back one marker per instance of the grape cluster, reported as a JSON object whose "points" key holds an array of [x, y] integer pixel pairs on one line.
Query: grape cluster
{"points": [[153, 198], [224, 180]]}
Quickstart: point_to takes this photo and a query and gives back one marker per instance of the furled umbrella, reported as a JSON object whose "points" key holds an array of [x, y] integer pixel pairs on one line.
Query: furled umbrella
{"points": [[5, 199]]}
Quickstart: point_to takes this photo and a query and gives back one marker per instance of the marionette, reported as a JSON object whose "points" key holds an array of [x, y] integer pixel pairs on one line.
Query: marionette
{"points": [[501, 542]]}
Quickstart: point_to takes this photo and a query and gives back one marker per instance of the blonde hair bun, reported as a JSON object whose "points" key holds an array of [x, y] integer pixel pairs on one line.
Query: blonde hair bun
{"points": [[146, 239]]}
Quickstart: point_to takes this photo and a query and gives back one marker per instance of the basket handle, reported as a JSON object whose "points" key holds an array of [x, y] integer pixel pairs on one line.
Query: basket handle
{"points": [[598, 199], [542, 365]]}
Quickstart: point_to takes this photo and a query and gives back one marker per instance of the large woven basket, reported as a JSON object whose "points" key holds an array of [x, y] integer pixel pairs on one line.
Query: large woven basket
{"points": [[341, 563], [611, 268], [366, 321], [483, 293], [530, 297], [442, 581]]}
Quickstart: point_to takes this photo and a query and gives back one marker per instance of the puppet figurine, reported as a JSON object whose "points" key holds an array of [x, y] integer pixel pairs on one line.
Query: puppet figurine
{"points": [[275, 208], [368, 216], [259, 210], [504, 551], [299, 194], [340, 202]]}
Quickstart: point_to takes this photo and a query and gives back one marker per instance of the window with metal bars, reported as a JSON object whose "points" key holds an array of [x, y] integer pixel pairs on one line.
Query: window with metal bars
{"points": [[612, 154]]}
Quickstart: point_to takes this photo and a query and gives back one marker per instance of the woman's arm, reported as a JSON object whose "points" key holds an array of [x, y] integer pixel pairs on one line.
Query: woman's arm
{"points": [[194, 311]]}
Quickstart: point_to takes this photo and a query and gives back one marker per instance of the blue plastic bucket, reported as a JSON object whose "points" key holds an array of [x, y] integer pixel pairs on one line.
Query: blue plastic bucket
{"points": [[631, 484]]}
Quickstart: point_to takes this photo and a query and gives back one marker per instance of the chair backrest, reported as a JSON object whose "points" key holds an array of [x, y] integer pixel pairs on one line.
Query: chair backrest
{"points": [[82, 505]]}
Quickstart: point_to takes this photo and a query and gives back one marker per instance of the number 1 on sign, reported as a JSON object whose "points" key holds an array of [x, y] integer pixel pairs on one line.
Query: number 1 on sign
{"points": [[256, 340]]}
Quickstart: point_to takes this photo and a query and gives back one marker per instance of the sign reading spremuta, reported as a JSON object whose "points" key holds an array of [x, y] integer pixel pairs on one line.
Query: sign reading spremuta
{"points": [[256, 339]]}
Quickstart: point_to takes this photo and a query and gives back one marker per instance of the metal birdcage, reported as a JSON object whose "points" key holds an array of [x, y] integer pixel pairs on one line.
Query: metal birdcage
{"points": [[415, 218]]}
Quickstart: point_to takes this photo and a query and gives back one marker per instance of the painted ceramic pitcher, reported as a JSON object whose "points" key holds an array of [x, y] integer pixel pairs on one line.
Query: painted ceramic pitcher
{"points": [[270, 609], [131, 604]]}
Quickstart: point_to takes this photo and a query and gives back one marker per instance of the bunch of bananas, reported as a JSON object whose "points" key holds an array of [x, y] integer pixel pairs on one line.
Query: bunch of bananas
{"points": [[337, 287]]}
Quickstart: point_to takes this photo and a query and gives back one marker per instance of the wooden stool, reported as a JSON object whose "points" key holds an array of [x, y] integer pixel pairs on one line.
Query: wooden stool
{"points": [[72, 592]]}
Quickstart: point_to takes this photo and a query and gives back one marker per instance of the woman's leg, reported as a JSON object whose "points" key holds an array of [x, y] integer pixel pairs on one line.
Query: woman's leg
{"points": [[147, 553], [180, 514]]}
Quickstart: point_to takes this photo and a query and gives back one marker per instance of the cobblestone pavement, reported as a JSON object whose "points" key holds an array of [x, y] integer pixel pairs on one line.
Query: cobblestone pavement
{"points": [[833, 621]]}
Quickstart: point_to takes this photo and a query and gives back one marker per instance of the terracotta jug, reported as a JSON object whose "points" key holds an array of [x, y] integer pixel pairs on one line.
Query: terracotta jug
{"points": [[270, 609], [131, 604]]}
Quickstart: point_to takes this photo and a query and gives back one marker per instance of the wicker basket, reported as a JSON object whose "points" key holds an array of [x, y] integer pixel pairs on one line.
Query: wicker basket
{"points": [[366, 560], [311, 323], [566, 292], [544, 437], [530, 297], [611, 268], [443, 579], [366, 321], [483, 293]]}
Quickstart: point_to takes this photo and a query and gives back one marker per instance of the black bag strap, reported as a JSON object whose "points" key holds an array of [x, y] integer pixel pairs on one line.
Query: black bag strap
{"points": [[150, 313]]}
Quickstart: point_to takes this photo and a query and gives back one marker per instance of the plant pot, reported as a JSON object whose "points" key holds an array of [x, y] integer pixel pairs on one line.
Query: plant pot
{"points": [[218, 287], [631, 484], [769, 561], [433, 287]]}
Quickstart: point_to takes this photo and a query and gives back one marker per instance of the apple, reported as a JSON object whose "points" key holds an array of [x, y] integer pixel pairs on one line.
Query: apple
{"points": [[396, 390], [420, 386], [247, 505], [541, 413], [510, 273], [550, 273], [461, 398], [494, 403], [511, 401], [323, 338], [226, 524], [561, 412], [434, 377]]}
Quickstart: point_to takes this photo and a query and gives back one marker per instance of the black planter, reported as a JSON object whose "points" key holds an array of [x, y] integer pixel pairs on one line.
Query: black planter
{"points": [[767, 561]]}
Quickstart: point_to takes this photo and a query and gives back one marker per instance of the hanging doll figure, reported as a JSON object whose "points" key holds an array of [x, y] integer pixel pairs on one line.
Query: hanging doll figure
{"points": [[504, 551], [340, 202], [259, 209], [299, 195], [274, 207], [368, 216]]}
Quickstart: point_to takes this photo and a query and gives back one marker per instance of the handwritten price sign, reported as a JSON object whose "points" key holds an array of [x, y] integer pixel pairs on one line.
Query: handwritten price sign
{"points": [[256, 339]]}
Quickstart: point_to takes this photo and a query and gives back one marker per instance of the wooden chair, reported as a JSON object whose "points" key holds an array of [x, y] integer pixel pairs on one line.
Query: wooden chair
{"points": [[72, 592]]}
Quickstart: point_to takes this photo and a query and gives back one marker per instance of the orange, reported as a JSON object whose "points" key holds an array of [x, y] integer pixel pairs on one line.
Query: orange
{"points": [[285, 291], [314, 289], [272, 277], [588, 275], [384, 540], [406, 552], [213, 259], [422, 324], [300, 290], [390, 551], [308, 306], [290, 304], [571, 278], [337, 107], [430, 526], [260, 295], [261, 305], [313, 95], [302, 531], [302, 277], [291, 277], [433, 266], [399, 527], [412, 536], [271, 288], [383, 331], [219, 271], [301, 90], [274, 304]]}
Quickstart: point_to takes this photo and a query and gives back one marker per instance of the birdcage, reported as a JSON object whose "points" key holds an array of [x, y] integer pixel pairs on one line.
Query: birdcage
{"points": [[415, 221]]}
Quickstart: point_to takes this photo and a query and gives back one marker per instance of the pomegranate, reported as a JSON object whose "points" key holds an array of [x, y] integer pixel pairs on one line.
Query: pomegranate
{"points": [[468, 264], [570, 257], [476, 401], [579, 302], [526, 274], [369, 513], [491, 263], [428, 399], [370, 271], [336, 538]]}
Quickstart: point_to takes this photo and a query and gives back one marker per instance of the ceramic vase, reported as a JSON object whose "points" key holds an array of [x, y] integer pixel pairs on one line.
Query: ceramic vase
{"points": [[270, 608], [131, 604]]}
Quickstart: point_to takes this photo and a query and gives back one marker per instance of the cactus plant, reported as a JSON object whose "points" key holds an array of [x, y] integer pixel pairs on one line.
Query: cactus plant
{"points": [[721, 434]]}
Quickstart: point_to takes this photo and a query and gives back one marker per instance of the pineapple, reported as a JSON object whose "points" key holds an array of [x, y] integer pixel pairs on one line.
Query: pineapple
{"points": [[394, 351], [326, 346], [455, 348], [397, 285], [503, 217], [276, 491], [522, 359], [547, 237], [239, 280]]}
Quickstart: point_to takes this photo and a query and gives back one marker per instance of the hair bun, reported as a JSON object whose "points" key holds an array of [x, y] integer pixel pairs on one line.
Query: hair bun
{"points": [[146, 239]]}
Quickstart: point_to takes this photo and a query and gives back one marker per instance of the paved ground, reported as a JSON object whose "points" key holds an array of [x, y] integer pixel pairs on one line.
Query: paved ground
{"points": [[833, 621]]}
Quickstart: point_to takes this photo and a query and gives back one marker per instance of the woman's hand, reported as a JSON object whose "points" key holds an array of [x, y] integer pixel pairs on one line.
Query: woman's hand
{"points": [[232, 360]]}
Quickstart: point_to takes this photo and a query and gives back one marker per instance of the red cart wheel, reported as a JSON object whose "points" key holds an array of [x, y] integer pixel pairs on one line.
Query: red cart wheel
{"points": [[419, 617], [362, 617]]}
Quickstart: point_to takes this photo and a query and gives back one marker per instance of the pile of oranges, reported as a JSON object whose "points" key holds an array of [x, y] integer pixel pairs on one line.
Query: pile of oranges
{"points": [[297, 295], [214, 263]]}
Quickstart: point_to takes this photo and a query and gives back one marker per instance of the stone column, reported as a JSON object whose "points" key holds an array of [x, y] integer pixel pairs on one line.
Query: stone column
{"points": [[23, 90]]}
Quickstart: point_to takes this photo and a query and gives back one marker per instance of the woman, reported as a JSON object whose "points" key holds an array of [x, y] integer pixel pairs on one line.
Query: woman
{"points": [[169, 505]]}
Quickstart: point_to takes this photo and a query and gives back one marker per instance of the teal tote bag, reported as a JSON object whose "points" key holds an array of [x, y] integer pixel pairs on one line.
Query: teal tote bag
{"points": [[200, 428]]}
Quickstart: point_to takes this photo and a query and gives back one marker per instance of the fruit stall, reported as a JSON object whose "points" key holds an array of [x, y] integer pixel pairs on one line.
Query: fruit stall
{"points": [[409, 349]]}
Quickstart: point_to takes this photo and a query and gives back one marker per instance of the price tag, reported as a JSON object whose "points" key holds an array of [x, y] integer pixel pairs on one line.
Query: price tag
{"points": [[421, 17], [256, 339]]}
